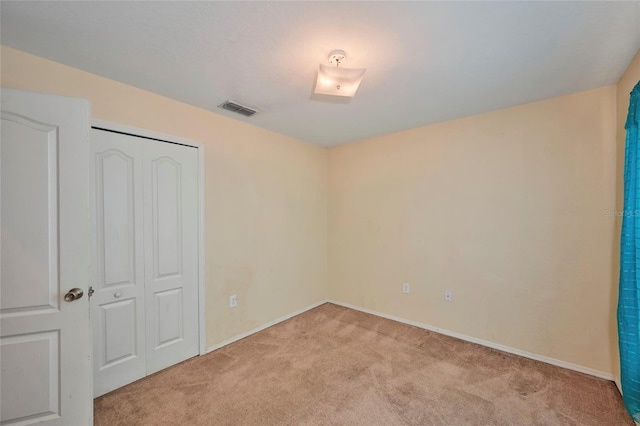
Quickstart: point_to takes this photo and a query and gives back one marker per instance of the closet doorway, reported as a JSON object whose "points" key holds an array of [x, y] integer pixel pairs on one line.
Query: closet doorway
{"points": [[146, 298]]}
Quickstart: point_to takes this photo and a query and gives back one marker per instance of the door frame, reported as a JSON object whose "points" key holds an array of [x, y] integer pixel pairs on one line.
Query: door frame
{"points": [[166, 138]]}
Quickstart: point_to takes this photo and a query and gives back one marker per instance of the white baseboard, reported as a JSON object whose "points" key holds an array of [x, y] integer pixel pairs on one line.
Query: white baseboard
{"points": [[552, 361], [530, 355], [265, 326]]}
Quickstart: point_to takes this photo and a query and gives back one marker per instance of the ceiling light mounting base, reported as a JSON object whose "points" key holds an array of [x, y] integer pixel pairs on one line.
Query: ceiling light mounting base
{"points": [[337, 56]]}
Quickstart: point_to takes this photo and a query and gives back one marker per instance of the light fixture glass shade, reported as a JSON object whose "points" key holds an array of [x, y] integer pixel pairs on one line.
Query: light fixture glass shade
{"points": [[338, 81]]}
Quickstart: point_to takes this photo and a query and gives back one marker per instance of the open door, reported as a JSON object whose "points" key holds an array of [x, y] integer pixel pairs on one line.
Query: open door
{"points": [[45, 338]]}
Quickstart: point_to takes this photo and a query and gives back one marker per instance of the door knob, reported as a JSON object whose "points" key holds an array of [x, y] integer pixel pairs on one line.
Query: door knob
{"points": [[73, 294]]}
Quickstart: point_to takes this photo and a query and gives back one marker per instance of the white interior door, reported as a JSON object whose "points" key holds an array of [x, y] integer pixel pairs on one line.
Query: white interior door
{"points": [[45, 341], [117, 306], [145, 305], [171, 253]]}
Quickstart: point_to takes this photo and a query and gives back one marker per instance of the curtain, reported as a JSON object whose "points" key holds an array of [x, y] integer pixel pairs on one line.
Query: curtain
{"points": [[629, 295]]}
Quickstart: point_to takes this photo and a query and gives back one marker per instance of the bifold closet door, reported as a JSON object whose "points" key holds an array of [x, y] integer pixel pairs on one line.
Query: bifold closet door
{"points": [[117, 305], [145, 306], [171, 253]]}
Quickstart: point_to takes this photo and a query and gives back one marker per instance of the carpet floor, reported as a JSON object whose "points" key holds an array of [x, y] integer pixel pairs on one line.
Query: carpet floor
{"points": [[333, 365]]}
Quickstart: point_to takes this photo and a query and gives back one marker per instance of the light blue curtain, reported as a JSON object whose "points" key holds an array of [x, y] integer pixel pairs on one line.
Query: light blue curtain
{"points": [[629, 298]]}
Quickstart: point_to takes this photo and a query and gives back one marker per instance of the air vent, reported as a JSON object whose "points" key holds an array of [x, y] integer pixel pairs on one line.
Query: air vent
{"points": [[236, 107]]}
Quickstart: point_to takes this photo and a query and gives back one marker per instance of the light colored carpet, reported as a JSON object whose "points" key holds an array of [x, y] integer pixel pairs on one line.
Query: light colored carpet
{"points": [[333, 365]]}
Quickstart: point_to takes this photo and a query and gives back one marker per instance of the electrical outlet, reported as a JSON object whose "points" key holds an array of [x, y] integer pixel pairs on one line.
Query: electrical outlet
{"points": [[233, 301], [448, 295], [406, 288]]}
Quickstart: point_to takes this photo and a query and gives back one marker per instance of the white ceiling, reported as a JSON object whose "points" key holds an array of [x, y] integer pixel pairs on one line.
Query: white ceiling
{"points": [[426, 62]]}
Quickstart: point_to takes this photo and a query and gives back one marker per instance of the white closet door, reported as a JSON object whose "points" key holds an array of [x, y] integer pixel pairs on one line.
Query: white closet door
{"points": [[171, 253], [118, 302]]}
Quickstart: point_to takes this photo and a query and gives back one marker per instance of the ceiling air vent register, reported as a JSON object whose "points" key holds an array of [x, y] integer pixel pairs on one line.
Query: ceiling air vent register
{"points": [[240, 109]]}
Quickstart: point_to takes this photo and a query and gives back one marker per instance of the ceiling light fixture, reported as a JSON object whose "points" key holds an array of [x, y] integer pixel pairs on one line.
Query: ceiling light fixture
{"points": [[338, 81]]}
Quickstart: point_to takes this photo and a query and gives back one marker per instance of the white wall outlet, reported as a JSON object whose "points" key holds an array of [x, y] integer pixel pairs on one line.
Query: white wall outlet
{"points": [[406, 288], [233, 301], [448, 295]]}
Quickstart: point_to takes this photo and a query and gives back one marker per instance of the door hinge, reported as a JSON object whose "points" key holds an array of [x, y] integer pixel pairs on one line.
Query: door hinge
{"points": [[91, 291]]}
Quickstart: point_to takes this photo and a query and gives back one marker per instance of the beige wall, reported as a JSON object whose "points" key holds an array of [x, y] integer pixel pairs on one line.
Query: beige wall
{"points": [[506, 209], [265, 195], [626, 83]]}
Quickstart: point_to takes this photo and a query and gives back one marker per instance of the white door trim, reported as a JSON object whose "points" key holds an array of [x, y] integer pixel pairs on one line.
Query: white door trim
{"points": [[162, 137]]}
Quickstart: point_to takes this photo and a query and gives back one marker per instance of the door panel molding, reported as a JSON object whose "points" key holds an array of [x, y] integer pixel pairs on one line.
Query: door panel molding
{"points": [[43, 349], [107, 233], [167, 230], [17, 263]]}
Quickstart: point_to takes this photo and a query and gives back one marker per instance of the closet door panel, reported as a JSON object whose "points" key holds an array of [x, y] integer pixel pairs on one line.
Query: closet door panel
{"points": [[118, 303], [171, 253]]}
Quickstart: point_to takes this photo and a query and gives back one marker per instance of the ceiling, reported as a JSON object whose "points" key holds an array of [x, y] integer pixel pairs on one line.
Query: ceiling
{"points": [[426, 61]]}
